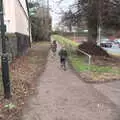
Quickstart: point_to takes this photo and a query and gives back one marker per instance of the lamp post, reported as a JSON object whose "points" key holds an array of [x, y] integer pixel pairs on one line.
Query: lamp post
{"points": [[4, 58], [100, 3]]}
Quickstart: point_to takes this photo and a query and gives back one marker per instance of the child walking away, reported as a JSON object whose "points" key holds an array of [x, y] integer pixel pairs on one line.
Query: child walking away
{"points": [[63, 57], [54, 47]]}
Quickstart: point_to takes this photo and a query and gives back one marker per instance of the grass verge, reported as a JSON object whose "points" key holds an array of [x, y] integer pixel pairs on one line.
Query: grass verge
{"points": [[94, 73], [65, 41], [80, 65]]}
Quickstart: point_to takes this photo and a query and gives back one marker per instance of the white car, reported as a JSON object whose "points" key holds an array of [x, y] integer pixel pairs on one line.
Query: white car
{"points": [[107, 44], [117, 42], [103, 40]]}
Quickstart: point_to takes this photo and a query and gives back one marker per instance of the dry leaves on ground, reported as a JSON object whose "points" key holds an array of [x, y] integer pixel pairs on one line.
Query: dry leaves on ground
{"points": [[24, 72]]}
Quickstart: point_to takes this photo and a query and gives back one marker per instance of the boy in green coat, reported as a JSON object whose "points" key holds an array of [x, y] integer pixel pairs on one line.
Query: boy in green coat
{"points": [[63, 57]]}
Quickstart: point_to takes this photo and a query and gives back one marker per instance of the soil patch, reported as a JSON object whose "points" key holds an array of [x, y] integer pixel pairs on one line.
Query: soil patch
{"points": [[93, 49], [24, 73], [106, 61]]}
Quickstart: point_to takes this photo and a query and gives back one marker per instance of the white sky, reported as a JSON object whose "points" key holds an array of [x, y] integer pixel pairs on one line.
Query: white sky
{"points": [[57, 8]]}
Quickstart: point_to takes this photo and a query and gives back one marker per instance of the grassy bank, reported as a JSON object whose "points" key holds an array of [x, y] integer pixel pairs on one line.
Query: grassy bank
{"points": [[65, 41]]}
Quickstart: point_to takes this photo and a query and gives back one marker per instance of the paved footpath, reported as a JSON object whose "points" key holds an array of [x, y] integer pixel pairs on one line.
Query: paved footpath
{"points": [[111, 90], [63, 96]]}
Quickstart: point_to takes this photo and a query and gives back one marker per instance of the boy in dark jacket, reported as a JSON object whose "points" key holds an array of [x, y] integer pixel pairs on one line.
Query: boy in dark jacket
{"points": [[63, 57]]}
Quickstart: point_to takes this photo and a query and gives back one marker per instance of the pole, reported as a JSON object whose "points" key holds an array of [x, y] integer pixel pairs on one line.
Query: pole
{"points": [[100, 20], [74, 35], [29, 22], [49, 20], [48, 8], [4, 58], [99, 34]]}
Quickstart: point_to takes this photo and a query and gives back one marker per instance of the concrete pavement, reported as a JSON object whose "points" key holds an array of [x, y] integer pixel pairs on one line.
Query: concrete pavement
{"points": [[111, 90], [63, 96]]}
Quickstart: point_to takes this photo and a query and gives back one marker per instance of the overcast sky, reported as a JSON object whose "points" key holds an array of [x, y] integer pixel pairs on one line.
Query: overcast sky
{"points": [[57, 9]]}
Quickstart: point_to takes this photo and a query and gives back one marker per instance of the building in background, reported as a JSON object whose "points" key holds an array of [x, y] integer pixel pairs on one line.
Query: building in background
{"points": [[17, 26], [16, 16]]}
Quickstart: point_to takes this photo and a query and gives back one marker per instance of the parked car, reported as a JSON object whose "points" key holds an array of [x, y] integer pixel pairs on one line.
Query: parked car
{"points": [[117, 42], [107, 44], [103, 40]]}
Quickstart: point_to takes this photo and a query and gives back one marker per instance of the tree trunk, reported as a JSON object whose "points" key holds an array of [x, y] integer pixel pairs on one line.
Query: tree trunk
{"points": [[92, 21], [92, 32]]}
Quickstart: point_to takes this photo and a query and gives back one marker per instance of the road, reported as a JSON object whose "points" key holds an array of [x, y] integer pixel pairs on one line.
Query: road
{"points": [[113, 51]]}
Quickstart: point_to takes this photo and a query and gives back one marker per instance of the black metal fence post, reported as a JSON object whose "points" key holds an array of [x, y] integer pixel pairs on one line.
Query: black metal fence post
{"points": [[4, 58]]}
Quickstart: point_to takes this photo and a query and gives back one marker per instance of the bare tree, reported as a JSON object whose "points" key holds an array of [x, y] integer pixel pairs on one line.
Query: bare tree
{"points": [[95, 13]]}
